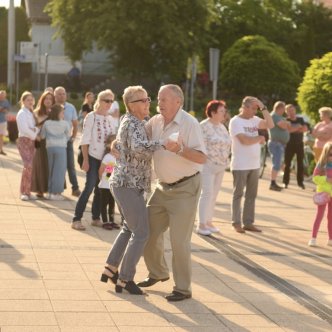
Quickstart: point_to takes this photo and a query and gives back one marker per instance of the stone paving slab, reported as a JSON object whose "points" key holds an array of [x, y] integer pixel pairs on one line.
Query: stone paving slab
{"points": [[49, 273]]}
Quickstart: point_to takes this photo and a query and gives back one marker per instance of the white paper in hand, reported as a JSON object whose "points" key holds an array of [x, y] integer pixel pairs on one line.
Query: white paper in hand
{"points": [[174, 137]]}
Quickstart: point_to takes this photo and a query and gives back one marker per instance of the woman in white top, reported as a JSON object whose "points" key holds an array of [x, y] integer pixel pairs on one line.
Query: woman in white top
{"points": [[218, 143], [27, 133], [96, 128]]}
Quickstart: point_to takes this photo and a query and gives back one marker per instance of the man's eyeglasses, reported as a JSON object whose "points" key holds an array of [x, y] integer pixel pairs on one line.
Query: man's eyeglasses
{"points": [[143, 100], [108, 101]]}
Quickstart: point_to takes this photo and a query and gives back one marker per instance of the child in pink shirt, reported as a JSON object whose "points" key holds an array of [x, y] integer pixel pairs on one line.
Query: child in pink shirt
{"points": [[322, 177]]}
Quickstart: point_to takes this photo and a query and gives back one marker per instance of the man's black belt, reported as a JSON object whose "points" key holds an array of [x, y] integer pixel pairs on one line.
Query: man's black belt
{"points": [[181, 180]]}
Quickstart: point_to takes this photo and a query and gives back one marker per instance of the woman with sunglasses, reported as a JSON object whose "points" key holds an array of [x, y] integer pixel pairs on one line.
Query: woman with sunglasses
{"points": [[131, 177], [97, 127]]}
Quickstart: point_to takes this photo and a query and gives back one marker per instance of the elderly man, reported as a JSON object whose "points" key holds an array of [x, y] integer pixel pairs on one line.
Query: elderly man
{"points": [[174, 201], [279, 137], [71, 117], [245, 162], [4, 108]]}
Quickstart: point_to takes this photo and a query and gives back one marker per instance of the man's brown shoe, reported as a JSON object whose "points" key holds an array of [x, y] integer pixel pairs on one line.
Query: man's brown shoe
{"points": [[238, 228], [251, 228], [76, 193]]}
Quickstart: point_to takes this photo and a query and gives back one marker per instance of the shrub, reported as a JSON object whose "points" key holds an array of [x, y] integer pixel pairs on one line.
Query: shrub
{"points": [[255, 66], [315, 90]]}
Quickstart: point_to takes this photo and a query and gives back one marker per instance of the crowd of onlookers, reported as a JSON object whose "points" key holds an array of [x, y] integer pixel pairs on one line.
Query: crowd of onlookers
{"points": [[189, 160]]}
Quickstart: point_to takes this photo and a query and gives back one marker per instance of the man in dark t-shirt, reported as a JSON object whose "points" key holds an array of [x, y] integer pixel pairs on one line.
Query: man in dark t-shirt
{"points": [[294, 145]]}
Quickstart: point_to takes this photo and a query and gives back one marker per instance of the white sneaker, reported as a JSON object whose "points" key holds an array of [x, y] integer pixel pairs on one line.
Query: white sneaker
{"points": [[203, 231], [329, 243], [33, 197], [24, 197], [213, 229], [57, 197], [312, 242]]}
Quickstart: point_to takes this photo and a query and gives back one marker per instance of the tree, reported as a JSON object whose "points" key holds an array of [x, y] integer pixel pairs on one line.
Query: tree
{"points": [[315, 90], [302, 28], [147, 38], [255, 66]]}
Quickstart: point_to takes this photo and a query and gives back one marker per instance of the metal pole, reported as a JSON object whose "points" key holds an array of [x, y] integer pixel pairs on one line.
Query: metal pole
{"points": [[186, 93], [17, 79], [46, 71], [38, 68], [214, 89], [11, 48], [193, 77]]}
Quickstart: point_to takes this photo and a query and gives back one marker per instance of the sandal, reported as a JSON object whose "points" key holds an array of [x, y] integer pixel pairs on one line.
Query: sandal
{"points": [[78, 226], [129, 286], [113, 277]]}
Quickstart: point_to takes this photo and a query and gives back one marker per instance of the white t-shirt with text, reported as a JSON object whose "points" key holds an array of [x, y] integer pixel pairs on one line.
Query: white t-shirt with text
{"points": [[244, 157]]}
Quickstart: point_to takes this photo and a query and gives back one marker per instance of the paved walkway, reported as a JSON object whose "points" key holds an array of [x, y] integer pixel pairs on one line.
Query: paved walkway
{"points": [[49, 273]]}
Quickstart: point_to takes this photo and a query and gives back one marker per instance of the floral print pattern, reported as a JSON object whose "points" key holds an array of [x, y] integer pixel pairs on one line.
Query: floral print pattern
{"points": [[133, 168], [217, 142]]}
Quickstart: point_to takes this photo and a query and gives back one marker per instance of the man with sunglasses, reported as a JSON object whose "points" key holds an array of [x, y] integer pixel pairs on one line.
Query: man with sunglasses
{"points": [[173, 203], [60, 96]]}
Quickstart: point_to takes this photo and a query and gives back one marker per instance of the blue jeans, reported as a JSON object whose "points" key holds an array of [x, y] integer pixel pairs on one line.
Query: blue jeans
{"points": [[71, 166], [57, 162], [92, 180], [277, 151]]}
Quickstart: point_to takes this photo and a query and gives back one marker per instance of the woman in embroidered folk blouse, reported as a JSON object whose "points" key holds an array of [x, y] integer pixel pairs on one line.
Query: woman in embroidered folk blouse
{"points": [[218, 143], [97, 127], [130, 178]]}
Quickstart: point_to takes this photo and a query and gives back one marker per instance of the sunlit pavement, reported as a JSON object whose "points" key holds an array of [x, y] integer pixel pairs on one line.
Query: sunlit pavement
{"points": [[269, 281]]}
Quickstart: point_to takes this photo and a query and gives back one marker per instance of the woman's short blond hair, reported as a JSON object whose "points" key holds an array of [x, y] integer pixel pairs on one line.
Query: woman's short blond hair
{"points": [[326, 111], [130, 93], [105, 94]]}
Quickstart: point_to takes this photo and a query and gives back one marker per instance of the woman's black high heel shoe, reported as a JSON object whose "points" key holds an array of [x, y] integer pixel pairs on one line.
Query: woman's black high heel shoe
{"points": [[130, 287], [114, 278]]}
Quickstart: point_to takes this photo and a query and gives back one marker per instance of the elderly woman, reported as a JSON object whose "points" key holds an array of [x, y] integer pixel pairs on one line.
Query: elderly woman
{"points": [[27, 133], [322, 131], [218, 143], [130, 178], [97, 127]]}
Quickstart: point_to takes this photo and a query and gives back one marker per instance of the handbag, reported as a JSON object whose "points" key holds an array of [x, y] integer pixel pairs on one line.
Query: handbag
{"points": [[321, 198], [80, 156]]}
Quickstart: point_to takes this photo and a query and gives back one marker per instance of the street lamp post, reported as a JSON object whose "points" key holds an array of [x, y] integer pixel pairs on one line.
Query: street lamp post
{"points": [[11, 49]]}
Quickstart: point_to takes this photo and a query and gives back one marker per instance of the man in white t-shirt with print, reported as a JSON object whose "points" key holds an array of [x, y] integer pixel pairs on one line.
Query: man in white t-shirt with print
{"points": [[245, 162]]}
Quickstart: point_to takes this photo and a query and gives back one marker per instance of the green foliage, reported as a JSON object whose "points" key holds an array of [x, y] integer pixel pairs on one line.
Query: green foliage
{"points": [[315, 90], [302, 28], [147, 38], [255, 66]]}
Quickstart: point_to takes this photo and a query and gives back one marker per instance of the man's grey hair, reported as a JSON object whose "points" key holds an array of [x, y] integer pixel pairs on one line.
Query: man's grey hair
{"points": [[58, 88], [175, 89], [248, 100]]}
